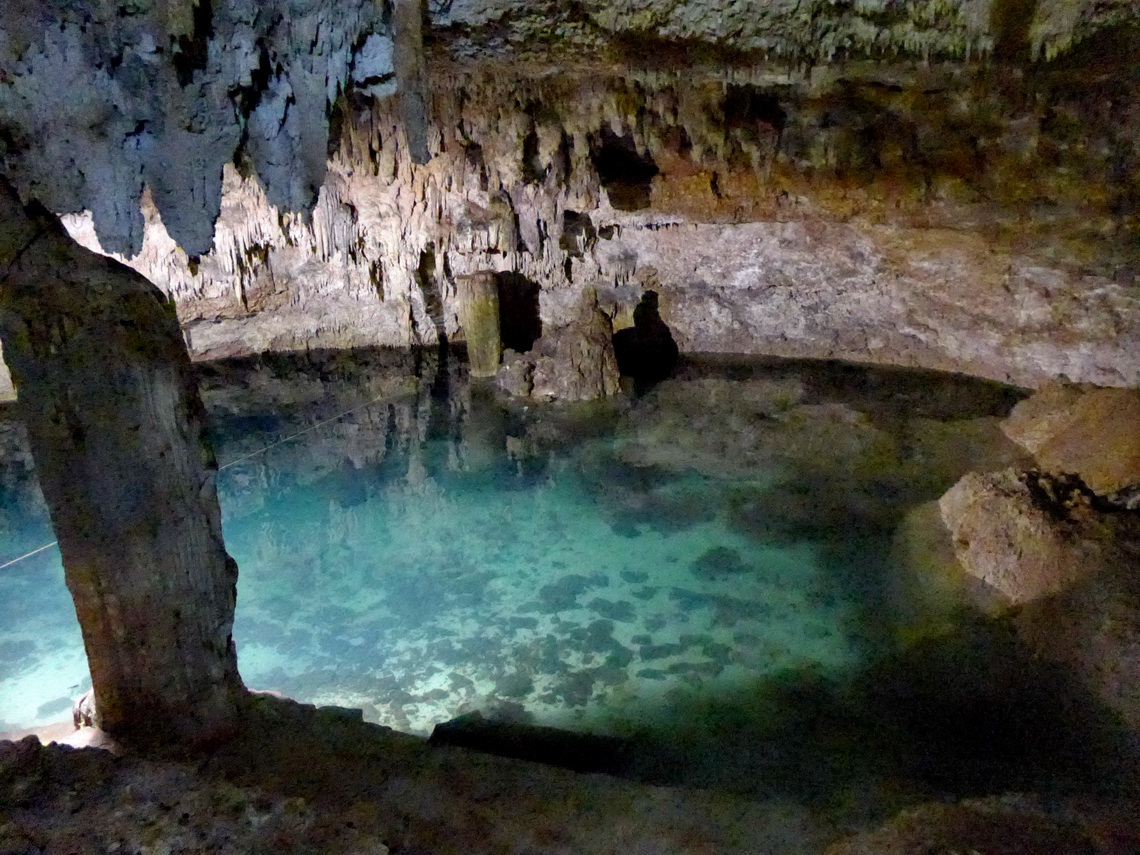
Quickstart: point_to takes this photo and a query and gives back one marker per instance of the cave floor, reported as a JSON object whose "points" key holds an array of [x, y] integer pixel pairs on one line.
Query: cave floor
{"points": [[299, 779]]}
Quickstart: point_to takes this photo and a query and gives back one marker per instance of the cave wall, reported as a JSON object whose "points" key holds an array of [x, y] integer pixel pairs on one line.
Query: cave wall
{"points": [[946, 184], [934, 216]]}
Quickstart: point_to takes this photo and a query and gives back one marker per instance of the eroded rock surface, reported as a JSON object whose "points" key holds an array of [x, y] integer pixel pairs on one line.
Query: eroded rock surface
{"points": [[573, 362], [305, 780], [1093, 433], [1003, 825], [1029, 534], [882, 214]]}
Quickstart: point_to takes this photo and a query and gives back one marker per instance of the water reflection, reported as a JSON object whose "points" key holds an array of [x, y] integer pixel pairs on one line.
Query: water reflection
{"points": [[736, 570]]}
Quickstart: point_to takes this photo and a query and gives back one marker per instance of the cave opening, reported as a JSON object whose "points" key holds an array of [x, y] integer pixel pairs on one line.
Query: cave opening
{"points": [[725, 571], [520, 324], [625, 173]]}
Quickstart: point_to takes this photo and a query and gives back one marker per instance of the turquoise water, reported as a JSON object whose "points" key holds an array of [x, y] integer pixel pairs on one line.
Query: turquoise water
{"points": [[735, 568]]}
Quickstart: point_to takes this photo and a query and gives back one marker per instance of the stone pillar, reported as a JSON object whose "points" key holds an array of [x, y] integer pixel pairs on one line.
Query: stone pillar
{"points": [[478, 295], [117, 432]]}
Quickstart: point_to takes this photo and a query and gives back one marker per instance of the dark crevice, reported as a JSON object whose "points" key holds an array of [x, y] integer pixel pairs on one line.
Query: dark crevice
{"points": [[192, 51], [533, 170], [626, 174], [578, 233], [519, 322]]}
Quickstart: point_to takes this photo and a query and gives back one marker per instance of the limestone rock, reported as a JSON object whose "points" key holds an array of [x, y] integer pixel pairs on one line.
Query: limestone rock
{"points": [[814, 240], [7, 390], [1031, 535], [516, 374], [1092, 432], [1027, 534], [113, 397], [573, 362], [479, 314], [929, 583]]}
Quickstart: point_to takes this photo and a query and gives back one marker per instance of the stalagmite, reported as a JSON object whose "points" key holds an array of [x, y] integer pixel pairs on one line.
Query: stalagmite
{"points": [[116, 429], [479, 317]]}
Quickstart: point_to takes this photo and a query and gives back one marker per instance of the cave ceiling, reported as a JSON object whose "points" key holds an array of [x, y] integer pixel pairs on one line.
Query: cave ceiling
{"points": [[101, 99]]}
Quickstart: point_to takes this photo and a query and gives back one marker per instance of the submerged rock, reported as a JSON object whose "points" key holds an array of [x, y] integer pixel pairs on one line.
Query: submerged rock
{"points": [[718, 562]]}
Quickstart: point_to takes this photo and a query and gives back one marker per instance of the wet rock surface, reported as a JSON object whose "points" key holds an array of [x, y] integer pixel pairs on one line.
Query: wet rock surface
{"points": [[305, 780]]}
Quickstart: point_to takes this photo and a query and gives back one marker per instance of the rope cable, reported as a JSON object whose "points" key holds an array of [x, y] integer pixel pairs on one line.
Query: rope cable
{"points": [[226, 466]]}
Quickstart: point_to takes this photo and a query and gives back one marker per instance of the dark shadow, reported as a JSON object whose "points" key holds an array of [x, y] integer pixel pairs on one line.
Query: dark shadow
{"points": [[646, 351], [626, 174], [578, 233], [519, 322], [580, 752], [533, 169], [753, 120]]}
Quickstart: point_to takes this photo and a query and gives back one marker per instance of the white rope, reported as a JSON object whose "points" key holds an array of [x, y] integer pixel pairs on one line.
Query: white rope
{"points": [[300, 433], [29, 554], [231, 463]]}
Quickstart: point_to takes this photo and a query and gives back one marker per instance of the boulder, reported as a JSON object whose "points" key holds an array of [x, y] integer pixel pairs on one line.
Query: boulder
{"points": [[1071, 564], [573, 362], [1027, 534], [1089, 431]]}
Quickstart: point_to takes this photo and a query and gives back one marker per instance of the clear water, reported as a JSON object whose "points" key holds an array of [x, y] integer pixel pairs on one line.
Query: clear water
{"points": [[722, 568]]}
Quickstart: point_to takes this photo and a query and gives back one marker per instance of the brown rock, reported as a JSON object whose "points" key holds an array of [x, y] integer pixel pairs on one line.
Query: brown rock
{"points": [[1003, 825], [574, 362], [1089, 431], [1026, 534], [1093, 630]]}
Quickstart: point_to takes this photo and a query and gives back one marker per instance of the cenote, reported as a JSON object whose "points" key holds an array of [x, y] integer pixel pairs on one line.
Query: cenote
{"points": [[734, 575]]}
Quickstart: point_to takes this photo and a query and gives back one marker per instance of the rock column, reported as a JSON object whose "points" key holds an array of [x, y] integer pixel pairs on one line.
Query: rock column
{"points": [[117, 432], [479, 316]]}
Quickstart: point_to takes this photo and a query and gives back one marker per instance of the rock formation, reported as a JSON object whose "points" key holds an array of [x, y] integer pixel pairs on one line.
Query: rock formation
{"points": [[949, 184], [117, 431], [1093, 433], [572, 362], [1028, 534], [964, 212]]}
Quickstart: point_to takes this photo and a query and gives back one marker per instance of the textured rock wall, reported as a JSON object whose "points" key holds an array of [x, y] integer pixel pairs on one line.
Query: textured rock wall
{"points": [[117, 431], [922, 216], [812, 30]]}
